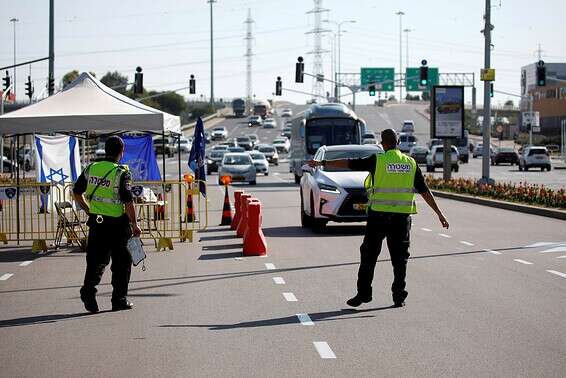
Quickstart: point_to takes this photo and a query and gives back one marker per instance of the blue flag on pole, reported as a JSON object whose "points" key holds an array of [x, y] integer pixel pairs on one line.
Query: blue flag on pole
{"points": [[139, 156], [197, 156]]}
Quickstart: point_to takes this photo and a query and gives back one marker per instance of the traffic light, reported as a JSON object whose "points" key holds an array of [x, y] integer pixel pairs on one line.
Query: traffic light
{"points": [[423, 74], [6, 81], [29, 88], [278, 86], [491, 90], [138, 81], [371, 89], [541, 74], [50, 86], [192, 85], [299, 70]]}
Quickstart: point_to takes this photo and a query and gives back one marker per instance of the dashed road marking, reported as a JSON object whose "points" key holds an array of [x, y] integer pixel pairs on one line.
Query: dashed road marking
{"points": [[238, 258], [305, 319], [466, 243], [523, 262], [290, 297], [269, 266], [323, 349], [561, 257], [426, 229], [563, 275], [445, 236], [555, 249], [26, 263], [6, 276], [279, 280]]}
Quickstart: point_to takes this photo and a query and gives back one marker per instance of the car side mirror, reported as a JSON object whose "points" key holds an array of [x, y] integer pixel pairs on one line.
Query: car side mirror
{"points": [[307, 169]]}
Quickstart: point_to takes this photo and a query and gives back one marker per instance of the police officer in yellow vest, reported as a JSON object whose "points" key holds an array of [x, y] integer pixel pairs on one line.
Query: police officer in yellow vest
{"points": [[103, 190], [391, 186]]}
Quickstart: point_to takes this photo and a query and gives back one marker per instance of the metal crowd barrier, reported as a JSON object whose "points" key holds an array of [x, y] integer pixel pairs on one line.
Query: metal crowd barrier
{"points": [[44, 212]]}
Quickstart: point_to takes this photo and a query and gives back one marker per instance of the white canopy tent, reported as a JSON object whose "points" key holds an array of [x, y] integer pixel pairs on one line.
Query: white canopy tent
{"points": [[88, 105]]}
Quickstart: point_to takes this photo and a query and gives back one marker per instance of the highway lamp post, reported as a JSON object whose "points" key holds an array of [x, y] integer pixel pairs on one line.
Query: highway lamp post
{"points": [[211, 2], [339, 25], [400, 14], [407, 31]]}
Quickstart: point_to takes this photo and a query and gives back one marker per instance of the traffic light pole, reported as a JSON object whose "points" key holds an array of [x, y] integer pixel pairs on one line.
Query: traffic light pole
{"points": [[51, 75]]}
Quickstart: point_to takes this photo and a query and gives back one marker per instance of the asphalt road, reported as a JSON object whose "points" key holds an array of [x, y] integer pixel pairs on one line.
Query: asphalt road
{"points": [[486, 298]]}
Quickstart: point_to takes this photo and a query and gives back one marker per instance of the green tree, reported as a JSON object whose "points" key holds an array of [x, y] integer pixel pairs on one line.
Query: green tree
{"points": [[69, 77], [170, 102], [509, 103], [116, 81]]}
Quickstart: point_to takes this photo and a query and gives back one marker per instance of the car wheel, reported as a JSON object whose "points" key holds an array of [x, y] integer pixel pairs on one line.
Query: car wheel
{"points": [[317, 225], [266, 174], [526, 167], [305, 219], [520, 167], [456, 168], [254, 182], [548, 167], [297, 179]]}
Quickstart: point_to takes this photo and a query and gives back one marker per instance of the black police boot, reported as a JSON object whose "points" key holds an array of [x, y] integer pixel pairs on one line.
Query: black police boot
{"points": [[90, 302], [122, 305], [358, 300], [399, 300]]}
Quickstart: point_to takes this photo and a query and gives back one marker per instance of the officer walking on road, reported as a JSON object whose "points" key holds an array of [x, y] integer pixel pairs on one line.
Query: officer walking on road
{"points": [[391, 186], [112, 220]]}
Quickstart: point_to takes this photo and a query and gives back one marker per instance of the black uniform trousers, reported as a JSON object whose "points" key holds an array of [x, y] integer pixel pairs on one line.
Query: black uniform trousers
{"points": [[108, 240], [396, 228]]}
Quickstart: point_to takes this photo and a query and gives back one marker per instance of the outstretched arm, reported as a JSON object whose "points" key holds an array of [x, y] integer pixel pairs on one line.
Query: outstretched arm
{"points": [[337, 164], [429, 199]]}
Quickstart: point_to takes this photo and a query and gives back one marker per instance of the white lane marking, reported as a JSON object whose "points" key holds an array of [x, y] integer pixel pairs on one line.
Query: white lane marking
{"points": [[269, 266], [290, 297], [279, 280], [323, 349], [466, 243], [305, 319], [238, 258], [555, 249], [541, 244], [6, 276], [445, 236], [26, 263], [523, 262], [561, 257], [563, 275], [426, 229], [492, 251]]}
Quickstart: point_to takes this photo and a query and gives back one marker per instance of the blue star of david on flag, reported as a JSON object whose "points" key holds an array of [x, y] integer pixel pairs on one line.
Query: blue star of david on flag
{"points": [[57, 172]]}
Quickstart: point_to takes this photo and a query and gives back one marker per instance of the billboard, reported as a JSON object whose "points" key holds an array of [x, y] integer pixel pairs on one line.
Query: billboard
{"points": [[447, 112]]}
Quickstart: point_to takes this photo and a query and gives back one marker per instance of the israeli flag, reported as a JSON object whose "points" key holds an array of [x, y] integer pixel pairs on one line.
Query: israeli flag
{"points": [[58, 162]]}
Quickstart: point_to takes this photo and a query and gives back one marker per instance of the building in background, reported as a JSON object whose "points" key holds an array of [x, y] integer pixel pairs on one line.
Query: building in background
{"points": [[549, 101]]}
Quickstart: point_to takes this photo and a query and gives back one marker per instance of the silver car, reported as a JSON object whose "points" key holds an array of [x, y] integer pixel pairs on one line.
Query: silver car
{"points": [[335, 195], [239, 166], [260, 162]]}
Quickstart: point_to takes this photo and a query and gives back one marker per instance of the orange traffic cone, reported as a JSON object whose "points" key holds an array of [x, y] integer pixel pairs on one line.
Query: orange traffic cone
{"points": [[226, 210], [190, 215]]}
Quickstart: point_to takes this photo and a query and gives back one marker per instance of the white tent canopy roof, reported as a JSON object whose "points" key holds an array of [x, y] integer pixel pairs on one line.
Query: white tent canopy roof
{"points": [[87, 105]]}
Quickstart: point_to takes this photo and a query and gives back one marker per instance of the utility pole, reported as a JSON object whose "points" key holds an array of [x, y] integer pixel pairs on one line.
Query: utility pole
{"points": [[486, 97], [400, 14], [51, 74], [317, 32], [13, 21], [211, 2], [337, 60], [249, 53]]}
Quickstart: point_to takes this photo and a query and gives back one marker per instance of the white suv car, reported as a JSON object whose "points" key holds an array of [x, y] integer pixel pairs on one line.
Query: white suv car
{"points": [[535, 157], [435, 159]]}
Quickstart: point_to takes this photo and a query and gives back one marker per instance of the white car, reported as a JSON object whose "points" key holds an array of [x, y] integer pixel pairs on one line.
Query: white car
{"points": [[269, 123], [260, 162], [478, 151], [286, 112], [186, 145], [408, 126], [219, 133], [239, 166], [269, 151], [435, 159], [282, 144], [406, 142], [100, 152], [335, 195], [535, 157]]}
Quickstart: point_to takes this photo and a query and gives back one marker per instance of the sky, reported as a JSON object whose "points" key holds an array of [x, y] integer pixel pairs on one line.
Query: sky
{"points": [[171, 40]]}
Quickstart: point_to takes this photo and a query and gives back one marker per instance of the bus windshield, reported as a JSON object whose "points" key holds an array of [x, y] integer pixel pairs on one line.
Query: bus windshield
{"points": [[330, 132]]}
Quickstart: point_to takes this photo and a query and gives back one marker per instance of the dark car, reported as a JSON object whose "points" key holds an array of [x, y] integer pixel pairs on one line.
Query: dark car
{"points": [[214, 160], [287, 131], [419, 154], [245, 142], [505, 155]]}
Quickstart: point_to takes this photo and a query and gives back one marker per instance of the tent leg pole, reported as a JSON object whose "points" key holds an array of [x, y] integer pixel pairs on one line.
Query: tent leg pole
{"points": [[163, 152], [17, 189]]}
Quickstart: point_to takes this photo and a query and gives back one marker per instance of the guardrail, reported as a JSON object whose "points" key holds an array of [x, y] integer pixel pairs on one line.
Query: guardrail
{"points": [[189, 126]]}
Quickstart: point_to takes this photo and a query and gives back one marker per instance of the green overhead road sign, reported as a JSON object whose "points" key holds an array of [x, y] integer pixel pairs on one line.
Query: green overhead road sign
{"points": [[413, 83], [383, 78]]}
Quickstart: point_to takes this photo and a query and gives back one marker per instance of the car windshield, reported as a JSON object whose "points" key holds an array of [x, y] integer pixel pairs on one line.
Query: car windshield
{"points": [[507, 150], [279, 141], [253, 137], [348, 154], [236, 149], [217, 154], [407, 139], [266, 149], [237, 160], [331, 132], [243, 139], [219, 129], [257, 156], [420, 150], [537, 151]]}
